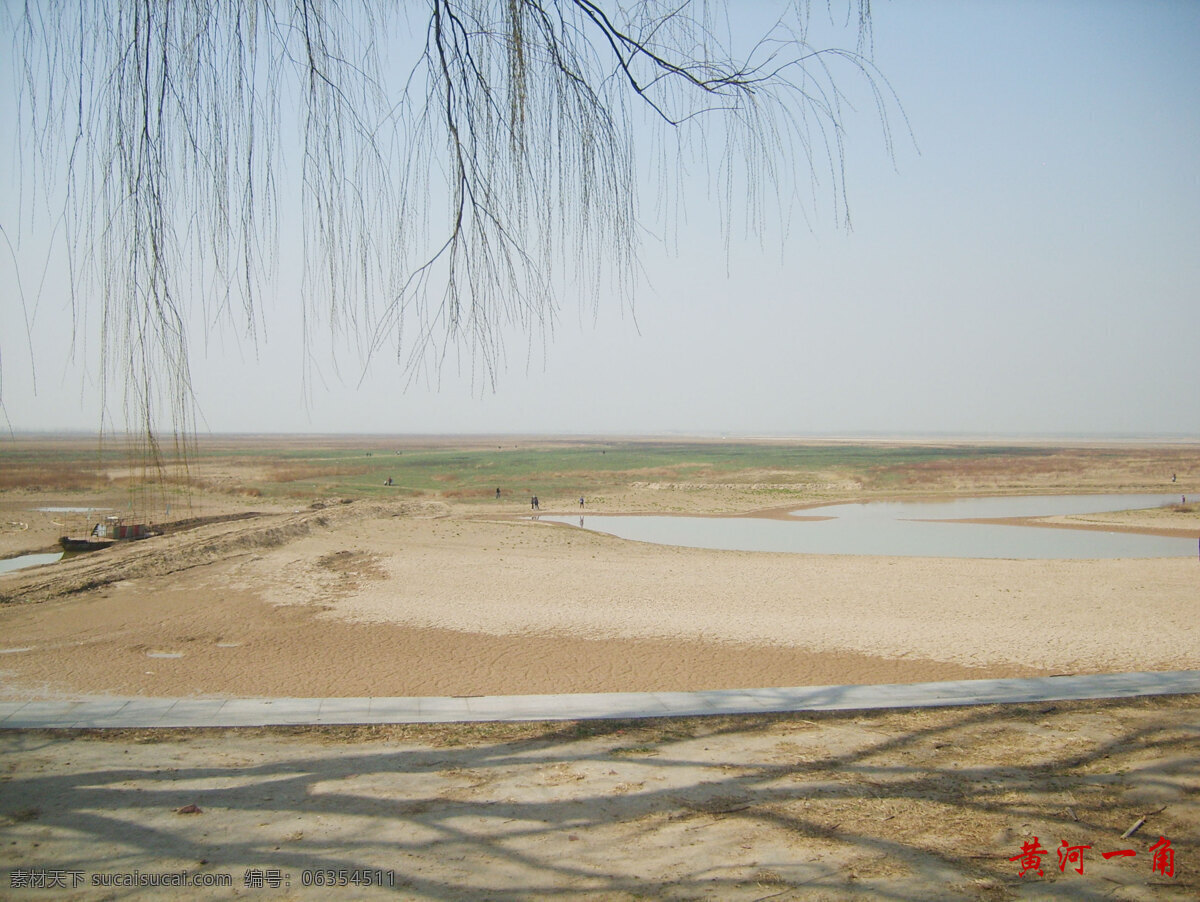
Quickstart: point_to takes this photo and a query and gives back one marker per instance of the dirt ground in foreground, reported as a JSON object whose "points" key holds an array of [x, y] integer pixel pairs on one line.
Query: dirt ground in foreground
{"points": [[919, 804]]}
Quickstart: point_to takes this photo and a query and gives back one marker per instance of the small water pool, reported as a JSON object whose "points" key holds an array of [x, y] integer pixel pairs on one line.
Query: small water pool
{"points": [[22, 561], [911, 529]]}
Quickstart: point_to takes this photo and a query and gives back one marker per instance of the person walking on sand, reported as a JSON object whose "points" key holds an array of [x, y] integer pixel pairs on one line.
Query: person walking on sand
{"points": [[533, 503], [497, 494], [581, 501]]}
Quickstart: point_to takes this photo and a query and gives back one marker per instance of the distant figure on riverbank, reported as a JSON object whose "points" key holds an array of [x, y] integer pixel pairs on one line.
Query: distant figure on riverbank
{"points": [[533, 503], [497, 494], [581, 501], [388, 481]]}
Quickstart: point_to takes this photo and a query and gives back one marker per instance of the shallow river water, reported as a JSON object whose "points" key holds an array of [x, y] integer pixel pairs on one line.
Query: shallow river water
{"points": [[20, 562], [911, 529]]}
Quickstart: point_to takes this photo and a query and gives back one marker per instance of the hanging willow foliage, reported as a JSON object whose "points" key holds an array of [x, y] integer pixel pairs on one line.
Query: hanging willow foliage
{"points": [[444, 201]]}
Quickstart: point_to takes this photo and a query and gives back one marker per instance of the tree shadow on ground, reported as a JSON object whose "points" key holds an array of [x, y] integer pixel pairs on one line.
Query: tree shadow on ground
{"points": [[882, 804]]}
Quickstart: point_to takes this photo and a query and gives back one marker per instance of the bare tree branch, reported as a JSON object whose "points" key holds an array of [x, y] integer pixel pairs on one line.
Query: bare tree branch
{"points": [[500, 176]]}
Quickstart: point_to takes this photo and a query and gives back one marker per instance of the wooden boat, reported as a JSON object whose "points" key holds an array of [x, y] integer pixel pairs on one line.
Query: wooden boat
{"points": [[78, 545]]}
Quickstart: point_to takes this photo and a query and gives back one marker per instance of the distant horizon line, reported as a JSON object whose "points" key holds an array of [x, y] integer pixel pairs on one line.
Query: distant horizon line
{"points": [[706, 435]]}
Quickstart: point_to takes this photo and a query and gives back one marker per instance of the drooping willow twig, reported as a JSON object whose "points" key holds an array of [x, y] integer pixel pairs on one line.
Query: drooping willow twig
{"points": [[444, 203]]}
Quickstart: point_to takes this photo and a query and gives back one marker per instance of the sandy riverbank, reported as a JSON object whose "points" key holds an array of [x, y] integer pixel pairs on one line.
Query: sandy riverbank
{"points": [[418, 599]]}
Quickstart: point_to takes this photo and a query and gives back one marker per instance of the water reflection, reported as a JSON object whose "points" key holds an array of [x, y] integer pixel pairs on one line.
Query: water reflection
{"points": [[912, 529]]}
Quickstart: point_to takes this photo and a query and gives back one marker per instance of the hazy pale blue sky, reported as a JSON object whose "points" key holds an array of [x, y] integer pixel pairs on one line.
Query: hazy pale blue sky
{"points": [[1034, 268]]}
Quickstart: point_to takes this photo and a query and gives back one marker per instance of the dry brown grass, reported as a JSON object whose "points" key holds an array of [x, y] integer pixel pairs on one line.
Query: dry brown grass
{"points": [[468, 494], [1072, 469], [294, 472], [51, 477]]}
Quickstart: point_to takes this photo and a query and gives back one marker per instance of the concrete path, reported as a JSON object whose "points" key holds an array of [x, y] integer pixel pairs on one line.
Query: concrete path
{"points": [[112, 712]]}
